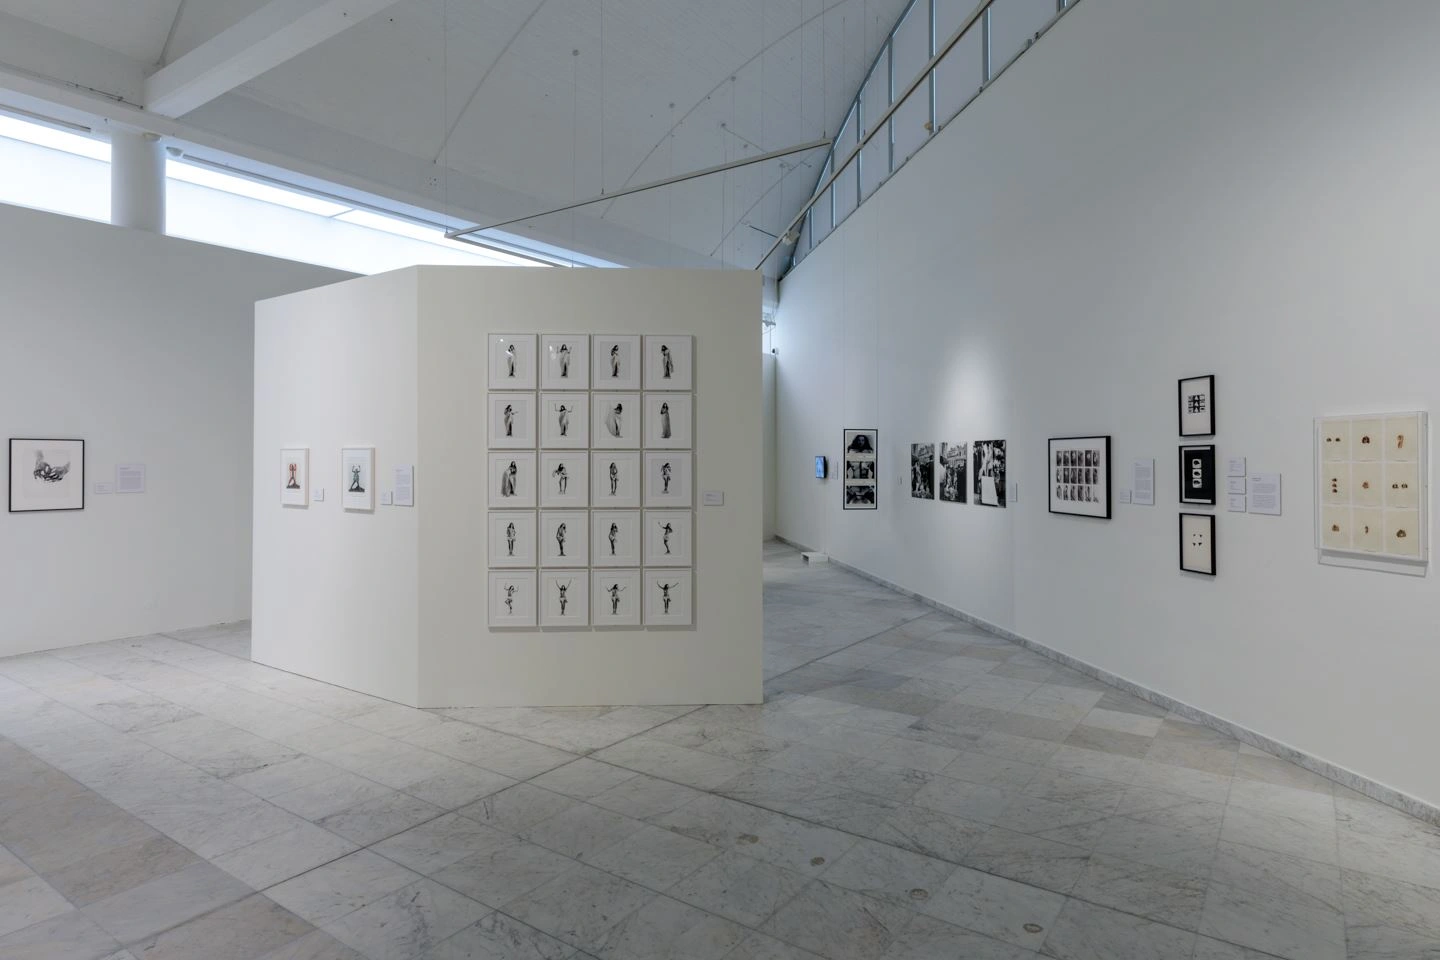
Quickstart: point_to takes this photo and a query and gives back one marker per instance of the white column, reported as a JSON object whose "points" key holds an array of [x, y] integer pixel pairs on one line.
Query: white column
{"points": [[137, 181]]}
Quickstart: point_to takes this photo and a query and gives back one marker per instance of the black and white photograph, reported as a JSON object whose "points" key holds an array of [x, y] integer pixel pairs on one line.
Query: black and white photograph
{"points": [[667, 538], [511, 421], [564, 598], [922, 471], [952, 470], [295, 477], [615, 538], [615, 421], [669, 362], [667, 598], [668, 421], [564, 538], [512, 598], [1079, 480], [1197, 406], [565, 421], [988, 463], [668, 481], [615, 479], [861, 464], [1197, 474], [1197, 543], [615, 362], [49, 474], [512, 361], [565, 359], [357, 478], [511, 480], [615, 598], [511, 541], [565, 479]]}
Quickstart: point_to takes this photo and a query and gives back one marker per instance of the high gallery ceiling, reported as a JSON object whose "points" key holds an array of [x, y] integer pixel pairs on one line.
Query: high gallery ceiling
{"points": [[482, 110]]}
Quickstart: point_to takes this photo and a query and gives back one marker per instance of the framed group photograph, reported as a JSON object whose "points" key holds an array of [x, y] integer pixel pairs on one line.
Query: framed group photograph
{"points": [[565, 359], [954, 460], [989, 466], [47, 474], [860, 469], [615, 362], [922, 471], [669, 362], [1197, 543], [1197, 474], [1196, 397], [1080, 476], [357, 478], [512, 361]]}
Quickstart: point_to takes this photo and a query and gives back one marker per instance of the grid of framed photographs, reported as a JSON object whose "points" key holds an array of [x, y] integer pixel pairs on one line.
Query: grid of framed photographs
{"points": [[590, 480], [1080, 476], [1371, 489]]}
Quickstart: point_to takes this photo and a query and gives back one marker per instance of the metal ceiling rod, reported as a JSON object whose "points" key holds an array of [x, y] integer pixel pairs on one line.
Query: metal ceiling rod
{"points": [[679, 178]]}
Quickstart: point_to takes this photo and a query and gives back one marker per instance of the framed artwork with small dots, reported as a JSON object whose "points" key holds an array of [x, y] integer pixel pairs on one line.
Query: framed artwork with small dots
{"points": [[1371, 478], [1197, 543]]}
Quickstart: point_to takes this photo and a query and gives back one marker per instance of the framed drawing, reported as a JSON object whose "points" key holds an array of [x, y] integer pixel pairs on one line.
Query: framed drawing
{"points": [[667, 598], [615, 479], [511, 541], [860, 469], [668, 421], [46, 474], [564, 538], [512, 421], [565, 479], [617, 598], [357, 478], [1196, 398], [295, 477], [1372, 491], [954, 458], [616, 421], [512, 361], [989, 467], [512, 598], [668, 480], [1079, 479], [511, 480], [565, 361], [667, 538], [616, 362], [1197, 474], [565, 421], [565, 598], [922, 471], [615, 538], [669, 362], [1197, 543]]}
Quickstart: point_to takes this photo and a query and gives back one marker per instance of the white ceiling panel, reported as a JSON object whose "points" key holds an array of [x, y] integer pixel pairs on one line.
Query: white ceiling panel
{"points": [[136, 28]]}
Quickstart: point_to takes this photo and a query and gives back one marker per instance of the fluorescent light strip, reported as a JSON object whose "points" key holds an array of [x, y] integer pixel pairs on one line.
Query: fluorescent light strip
{"points": [[240, 186], [44, 136], [414, 231]]}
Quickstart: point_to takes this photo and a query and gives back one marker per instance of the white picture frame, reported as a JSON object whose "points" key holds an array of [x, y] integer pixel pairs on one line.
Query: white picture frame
{"points": [[615, 538], [511, 538], [616, 361], [668, 598], [510, 480], [510, 421], [669, 479], [615, 479], [565, 421], [357, 478], [511, 364], [295, 477], [669, 421], [616, 600], [565, 598], [1372, 491], [615, 421], [668, 538], [565, 361], [669, 362], [564, 538], [511, 598], [46, 474], [564, 478]]}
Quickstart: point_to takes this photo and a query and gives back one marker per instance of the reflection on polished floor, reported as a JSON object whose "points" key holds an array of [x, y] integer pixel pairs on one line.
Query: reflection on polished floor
{"points": [[912, 788]]}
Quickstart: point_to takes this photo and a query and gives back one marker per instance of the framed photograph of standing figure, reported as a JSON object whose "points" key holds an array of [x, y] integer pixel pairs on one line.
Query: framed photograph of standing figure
{"points": [[511, 480], [1080, 476], [615, 362], [615, 538], [616, 419], [668, 418], [989, 466], [615, 479], [357, 478], [565, 361], [46, 474], [669, 362], [1197, 543], [922, 471], [667, 538], [512, 361], [1196, 396], [511, 421], [860, 469], [616, 596], [295, 477], [565, 598], [667, 598], [668, 481], [565, 479], [512, 598], [1197, 474], [512, 538], [565, 421], [564, 538]]}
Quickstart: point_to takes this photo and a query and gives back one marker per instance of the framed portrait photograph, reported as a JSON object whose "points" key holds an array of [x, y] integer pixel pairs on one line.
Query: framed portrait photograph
{"points": [[667, 538], [615, 479], [615, 538], [295, 477], [511, 540], [564, 538], [667, 598], [615, 363], [615, 421], [511, 421], [512, 598], [952, 471], [512, 480], [616, 598], [861, 467], [989, 467], [512, 361], [669, 421], [564, 598], [46, 474], [922, 471], [1197, 474], [565, 421], [669, 362], [668, 479], [1196, 397], [565, 479], [1197, 543], [565, 361], [357, 478], [1079, 479]]}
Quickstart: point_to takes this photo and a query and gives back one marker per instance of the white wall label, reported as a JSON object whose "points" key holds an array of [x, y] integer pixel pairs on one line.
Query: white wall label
{"points": [[1265, 493], [130, 478], [1014, 493], [1142, 479], [318, 494], [387, 498], [713, 498], [103, 487], [1123, 496], [1234, 466], [1235, 486], [1236, 504], [405, 486]]}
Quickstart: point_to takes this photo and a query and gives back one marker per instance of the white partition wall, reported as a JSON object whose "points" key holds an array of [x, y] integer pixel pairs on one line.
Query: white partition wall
{"points": [[393, 601]]}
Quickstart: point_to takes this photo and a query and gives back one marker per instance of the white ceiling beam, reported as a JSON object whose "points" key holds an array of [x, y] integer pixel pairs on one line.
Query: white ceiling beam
{"points": [[277, 32]]}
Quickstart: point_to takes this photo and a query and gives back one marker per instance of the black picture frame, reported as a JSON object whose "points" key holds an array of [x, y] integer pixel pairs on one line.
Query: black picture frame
{"points": [[1203, 526], [1079, 478], [1198, 480], [860, 471], [1185, 395], [10, 465]]}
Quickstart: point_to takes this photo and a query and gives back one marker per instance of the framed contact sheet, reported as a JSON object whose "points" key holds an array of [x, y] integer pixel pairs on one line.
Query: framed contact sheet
{"points": [[1372, 491], [1079, 476]]}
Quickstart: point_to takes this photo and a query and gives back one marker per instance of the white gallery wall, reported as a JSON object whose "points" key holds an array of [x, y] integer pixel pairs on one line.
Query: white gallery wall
{"points": [[1156, 190], [140, 345]]}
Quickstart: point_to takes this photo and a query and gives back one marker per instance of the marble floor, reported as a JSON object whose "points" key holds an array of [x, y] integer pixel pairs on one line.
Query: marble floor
{"points": [[912, 789]]}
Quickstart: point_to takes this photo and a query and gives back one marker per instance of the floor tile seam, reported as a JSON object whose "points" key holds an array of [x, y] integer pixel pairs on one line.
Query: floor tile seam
{"points": [[229, 902], [588, 755]]}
